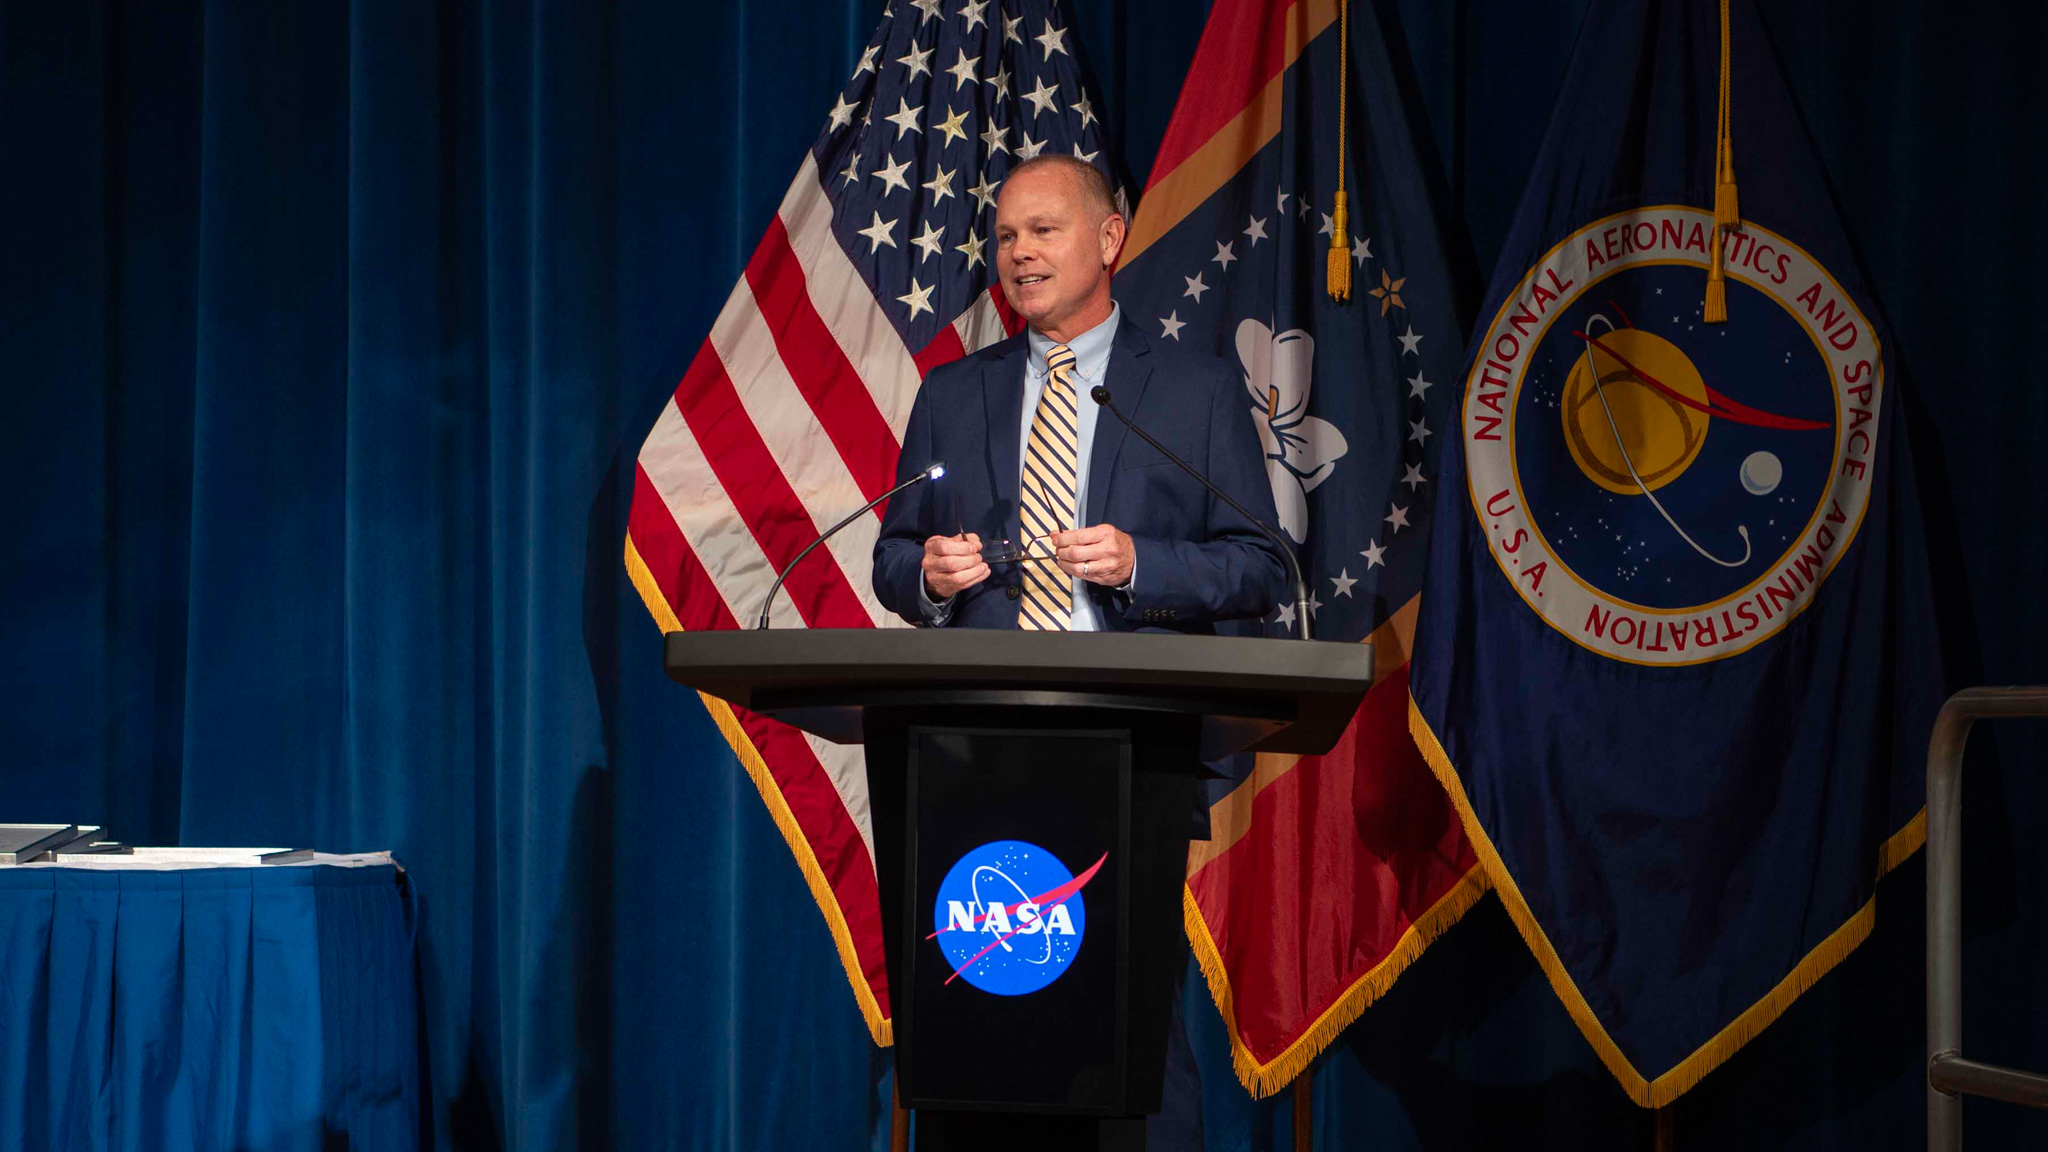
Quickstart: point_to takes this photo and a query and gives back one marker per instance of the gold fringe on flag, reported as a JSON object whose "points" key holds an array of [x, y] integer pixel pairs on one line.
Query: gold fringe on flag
{"points": [[880, 1027], [1675, 1082], [1727, 209], [1340, 220], [1263, 1080]]}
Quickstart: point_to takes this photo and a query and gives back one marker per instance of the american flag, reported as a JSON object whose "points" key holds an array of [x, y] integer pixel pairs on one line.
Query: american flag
{"points": [[876, 269]]}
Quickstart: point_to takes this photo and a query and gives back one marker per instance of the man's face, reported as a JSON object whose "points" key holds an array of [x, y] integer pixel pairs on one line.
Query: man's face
{"points": [[1051, 253]]}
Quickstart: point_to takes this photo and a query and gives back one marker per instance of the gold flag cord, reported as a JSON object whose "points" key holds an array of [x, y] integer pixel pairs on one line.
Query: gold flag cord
{"points": [[1340, 221], [1727, 212]]}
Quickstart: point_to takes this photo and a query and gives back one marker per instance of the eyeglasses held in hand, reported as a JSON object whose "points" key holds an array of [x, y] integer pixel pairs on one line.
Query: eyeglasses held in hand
{"points": [[1004, 552]]}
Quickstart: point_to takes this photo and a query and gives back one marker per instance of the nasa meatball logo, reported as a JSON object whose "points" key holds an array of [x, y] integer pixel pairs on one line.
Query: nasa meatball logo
{"points": [[1659, 489], [1009, 917]]}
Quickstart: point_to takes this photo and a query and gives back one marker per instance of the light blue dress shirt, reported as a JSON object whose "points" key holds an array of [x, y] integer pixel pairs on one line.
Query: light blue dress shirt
{"points": [[1091, 364]]}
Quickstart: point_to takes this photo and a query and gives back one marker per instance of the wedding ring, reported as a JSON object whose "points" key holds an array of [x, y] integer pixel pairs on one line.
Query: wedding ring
{"points": [[1084, 567]]}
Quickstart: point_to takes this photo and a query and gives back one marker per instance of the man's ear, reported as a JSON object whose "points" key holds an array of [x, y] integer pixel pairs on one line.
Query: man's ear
{"points": [[1112, 237]]}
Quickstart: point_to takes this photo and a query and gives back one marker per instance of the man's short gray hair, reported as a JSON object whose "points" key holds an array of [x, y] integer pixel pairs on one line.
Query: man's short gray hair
{"points": [[1095, 189]]}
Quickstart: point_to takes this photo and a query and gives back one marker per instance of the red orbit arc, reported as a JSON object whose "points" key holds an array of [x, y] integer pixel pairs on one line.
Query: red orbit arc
{"points": [[1719, 405]]}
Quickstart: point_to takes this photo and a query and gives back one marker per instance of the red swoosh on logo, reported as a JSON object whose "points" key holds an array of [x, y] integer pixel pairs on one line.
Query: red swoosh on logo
{"points": [[1050, 899]]}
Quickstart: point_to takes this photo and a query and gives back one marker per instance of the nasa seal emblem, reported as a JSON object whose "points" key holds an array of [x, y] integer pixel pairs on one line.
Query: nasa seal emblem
{"points": [[1661, 490]]}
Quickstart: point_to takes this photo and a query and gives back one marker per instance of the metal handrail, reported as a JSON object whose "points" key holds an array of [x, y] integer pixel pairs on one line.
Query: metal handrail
{"points": [[1949, 1076]]}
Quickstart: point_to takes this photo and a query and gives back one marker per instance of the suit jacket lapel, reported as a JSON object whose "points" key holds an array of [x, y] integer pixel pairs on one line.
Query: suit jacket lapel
{"points": [[1129, 373], [1002, 392]]}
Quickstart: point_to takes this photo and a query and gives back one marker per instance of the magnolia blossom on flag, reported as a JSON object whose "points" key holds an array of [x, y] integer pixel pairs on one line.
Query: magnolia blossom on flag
{"points": [[1324, 876]]}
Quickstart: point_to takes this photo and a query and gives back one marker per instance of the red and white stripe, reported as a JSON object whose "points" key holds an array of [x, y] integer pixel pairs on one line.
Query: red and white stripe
{"points": [[791, 415]]}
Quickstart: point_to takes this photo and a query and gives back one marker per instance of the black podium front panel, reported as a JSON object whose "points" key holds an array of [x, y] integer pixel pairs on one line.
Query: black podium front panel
{"points": [[1017, 944], [1037, 756]]}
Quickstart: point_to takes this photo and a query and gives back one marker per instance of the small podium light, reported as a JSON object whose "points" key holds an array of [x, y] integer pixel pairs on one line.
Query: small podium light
{"points": [[935, 471]]}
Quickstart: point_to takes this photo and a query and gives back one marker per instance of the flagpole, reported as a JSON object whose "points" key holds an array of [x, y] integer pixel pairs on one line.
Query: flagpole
{"points": [[1304, 1110]]}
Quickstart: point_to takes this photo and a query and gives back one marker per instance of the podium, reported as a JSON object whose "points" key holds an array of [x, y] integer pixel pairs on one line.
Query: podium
{"points": [[1031, 796]]}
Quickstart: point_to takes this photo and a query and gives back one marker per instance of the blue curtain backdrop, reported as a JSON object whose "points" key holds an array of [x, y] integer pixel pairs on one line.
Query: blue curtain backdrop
{"points": [[330, 332]]}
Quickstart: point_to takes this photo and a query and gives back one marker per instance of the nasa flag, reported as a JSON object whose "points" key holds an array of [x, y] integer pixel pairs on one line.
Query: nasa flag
{"points": [[1323, 877], [1676, 663]]}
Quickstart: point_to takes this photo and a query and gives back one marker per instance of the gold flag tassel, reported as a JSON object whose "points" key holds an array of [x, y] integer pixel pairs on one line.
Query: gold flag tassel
{"points": [[1716, 311], [1727, 210], [1340, 220]]}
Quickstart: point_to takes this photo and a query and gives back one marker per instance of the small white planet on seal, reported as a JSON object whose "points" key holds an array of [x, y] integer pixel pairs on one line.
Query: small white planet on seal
{"points": [[1761, 472]]}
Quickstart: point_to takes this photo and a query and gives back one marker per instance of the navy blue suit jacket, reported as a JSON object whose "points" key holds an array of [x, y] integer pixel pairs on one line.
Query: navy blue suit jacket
{"points": [[1198, 560]]}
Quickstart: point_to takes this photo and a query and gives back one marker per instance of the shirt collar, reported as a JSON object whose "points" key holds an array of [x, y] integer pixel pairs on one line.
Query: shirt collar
{"points": [[1091, 348]]}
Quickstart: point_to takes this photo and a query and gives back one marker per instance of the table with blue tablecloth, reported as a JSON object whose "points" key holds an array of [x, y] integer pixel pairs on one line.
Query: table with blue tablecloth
{"points": [[169, 1005]]}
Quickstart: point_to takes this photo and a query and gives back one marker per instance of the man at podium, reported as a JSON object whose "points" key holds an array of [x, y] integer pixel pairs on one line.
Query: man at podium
{"points": [[1051, 516]]}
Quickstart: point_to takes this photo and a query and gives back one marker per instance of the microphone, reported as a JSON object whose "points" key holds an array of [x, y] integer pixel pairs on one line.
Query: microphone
{"points": [[1100, 394], [931, 471]]}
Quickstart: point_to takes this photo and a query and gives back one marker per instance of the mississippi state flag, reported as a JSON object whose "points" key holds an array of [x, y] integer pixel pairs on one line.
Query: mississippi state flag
{"points": [[1325, 875], [876, 269]]}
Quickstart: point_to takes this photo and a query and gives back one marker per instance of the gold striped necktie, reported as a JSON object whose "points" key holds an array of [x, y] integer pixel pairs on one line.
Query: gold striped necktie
{"points": [[1046, 503]]}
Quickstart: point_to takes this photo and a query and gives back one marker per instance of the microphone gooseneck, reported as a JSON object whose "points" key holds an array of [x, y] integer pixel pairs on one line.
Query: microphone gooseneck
{"points": [[931, 471], [1100, 394]]}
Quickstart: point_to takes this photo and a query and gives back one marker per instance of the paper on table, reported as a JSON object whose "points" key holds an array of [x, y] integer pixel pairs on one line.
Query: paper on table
{"points": [[20, 843]]}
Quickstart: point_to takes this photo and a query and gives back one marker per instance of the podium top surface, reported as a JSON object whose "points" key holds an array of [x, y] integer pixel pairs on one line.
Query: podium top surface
{"points": [[1302, 693]]}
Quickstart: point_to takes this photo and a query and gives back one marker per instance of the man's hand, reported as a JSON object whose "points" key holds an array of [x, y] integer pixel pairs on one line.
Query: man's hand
{"points": [[1100, 554], [952, 564]]}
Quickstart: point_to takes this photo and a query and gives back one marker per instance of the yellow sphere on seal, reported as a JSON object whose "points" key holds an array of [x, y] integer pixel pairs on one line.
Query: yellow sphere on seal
{"points": [[1661, 435]]}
